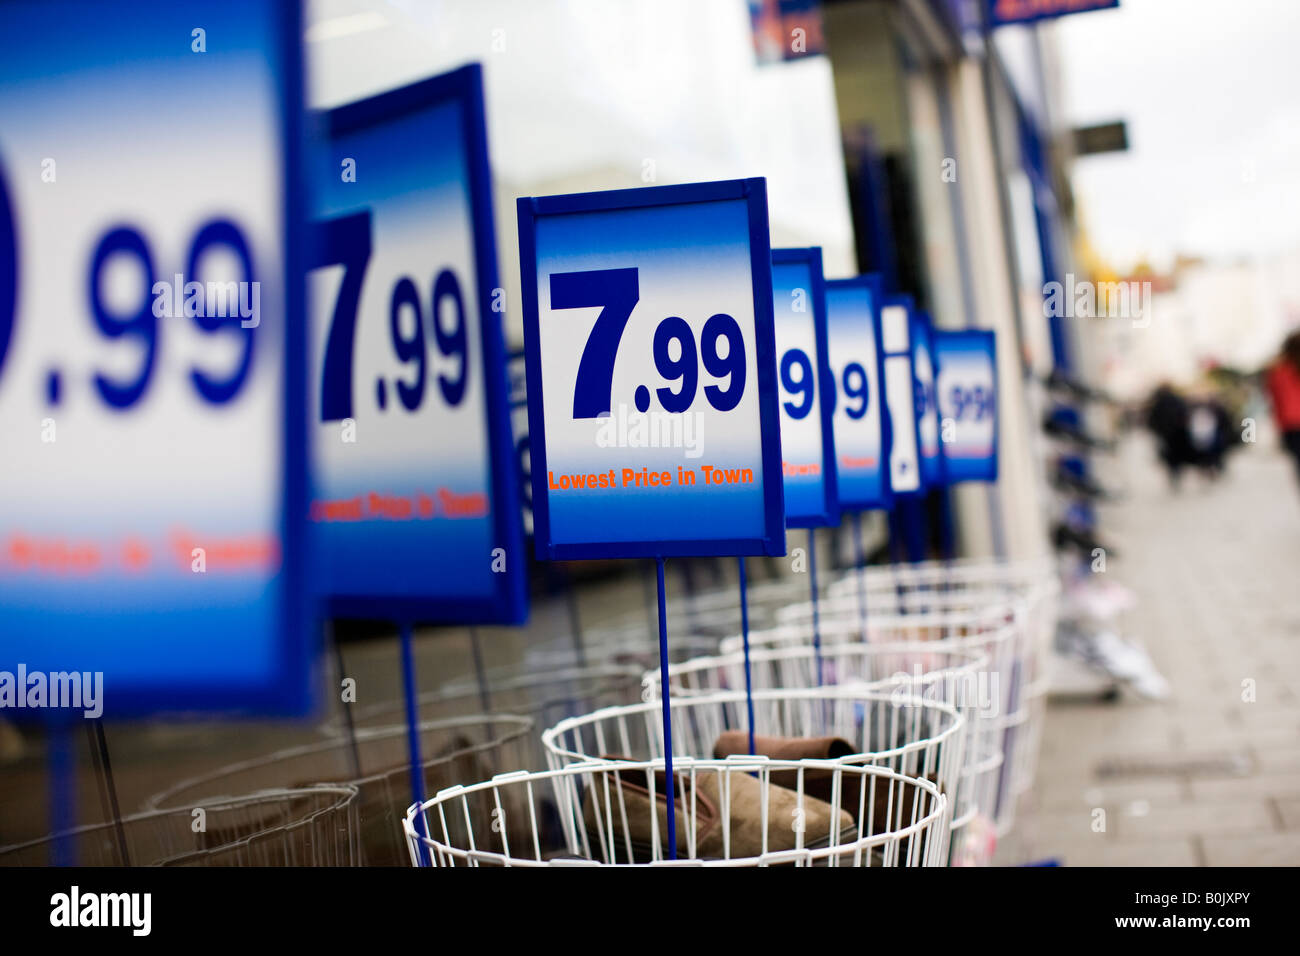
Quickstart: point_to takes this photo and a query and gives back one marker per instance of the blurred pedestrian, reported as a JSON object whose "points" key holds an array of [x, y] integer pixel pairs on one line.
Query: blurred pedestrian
{"points": [[1284, 390], [1167, 414], [1209, 434]]}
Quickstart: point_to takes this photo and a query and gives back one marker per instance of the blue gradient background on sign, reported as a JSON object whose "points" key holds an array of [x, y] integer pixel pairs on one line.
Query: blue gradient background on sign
{"points": [[928, 425], [694, 259], [967, 358], [412, 174], [851, 336], [122, 79], [801, 440]]}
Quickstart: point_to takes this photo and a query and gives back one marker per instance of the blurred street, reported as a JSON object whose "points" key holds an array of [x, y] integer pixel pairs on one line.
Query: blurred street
{"points": [[1203, 778]]}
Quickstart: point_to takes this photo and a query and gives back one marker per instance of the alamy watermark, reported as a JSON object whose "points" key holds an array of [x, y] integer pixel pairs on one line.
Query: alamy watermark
{"points": [[180, 299], [56, 690], [628, 428], [965, 690], [75, 908], [1071, 299]]}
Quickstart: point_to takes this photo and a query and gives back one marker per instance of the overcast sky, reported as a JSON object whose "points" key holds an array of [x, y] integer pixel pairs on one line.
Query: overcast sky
{"points": [[1211, 92]]}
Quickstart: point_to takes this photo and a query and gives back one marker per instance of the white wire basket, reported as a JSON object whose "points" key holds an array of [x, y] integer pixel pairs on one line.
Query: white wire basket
{"points": [[960, 676], [312, 826], [1032, 586], [958, 572], [695, 622], [455, 750], [542, 695], [1029, 591], [633, 639], [881, 727], [728, 813], [992, 631], [715, 612], [776, 663], [1029, 588]]}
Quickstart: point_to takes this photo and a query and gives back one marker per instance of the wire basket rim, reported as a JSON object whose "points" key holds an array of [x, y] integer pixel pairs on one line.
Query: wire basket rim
{"points": [[936, 818], [344, 793], [770, 653], [161, 801], [956, 728]]}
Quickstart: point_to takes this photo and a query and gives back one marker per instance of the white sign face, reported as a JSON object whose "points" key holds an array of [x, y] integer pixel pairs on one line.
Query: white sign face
{"points": [[853, 332], [807, 446], [651, 375], [151, 496], [904, 463], [968, 402], [415, 505]]}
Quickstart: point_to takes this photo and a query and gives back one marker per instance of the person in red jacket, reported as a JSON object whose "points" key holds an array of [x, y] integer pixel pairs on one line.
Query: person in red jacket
{"points": [[1284, 389]]}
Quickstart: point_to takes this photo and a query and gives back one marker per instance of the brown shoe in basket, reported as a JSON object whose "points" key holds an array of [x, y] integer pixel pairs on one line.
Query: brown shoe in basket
{"points": [[818, 782], [607, 804]]}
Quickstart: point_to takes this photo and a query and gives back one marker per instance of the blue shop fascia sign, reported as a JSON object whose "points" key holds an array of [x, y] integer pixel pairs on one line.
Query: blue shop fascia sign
{"points": [[1004, 12]]}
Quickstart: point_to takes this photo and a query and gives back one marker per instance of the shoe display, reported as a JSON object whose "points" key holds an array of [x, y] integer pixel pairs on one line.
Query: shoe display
{"points": [[1104, 650], [619, 818], [820, 781]]}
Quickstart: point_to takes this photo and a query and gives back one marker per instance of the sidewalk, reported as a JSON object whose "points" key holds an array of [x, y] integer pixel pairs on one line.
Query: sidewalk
{"points": [[1206, 777]]}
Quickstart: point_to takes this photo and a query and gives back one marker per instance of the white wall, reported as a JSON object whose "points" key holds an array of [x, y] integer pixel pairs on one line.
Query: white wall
{"points": [[1018, 495]]}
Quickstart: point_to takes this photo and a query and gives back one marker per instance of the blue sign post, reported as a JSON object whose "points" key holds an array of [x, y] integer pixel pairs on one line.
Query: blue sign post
{"points": [[861, 427], [652, 397], [807, 406], [927, 410]]}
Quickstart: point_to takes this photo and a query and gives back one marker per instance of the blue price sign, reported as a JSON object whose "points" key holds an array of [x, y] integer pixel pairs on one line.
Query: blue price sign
{"points": [[807, 388], [652, 396], [905, 477], [968, 403], [927, 411], [151, 374], [414, 496], [861, 430]]}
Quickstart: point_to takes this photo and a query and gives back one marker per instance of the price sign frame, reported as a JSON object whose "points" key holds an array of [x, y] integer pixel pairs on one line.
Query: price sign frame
{"points": [[508, 602], [286, 688], [905, 352], [933, 467], [873, 285], [770, 540], [824, 385], [984, 341], [517, 383]]}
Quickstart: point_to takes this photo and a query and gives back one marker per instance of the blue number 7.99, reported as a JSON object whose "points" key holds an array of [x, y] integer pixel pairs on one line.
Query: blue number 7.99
{"points": [[616, 292], [343, 241]]}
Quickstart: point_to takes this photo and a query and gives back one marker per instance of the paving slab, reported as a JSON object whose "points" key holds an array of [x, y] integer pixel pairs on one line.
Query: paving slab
{"points": [[1211, 775]]}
